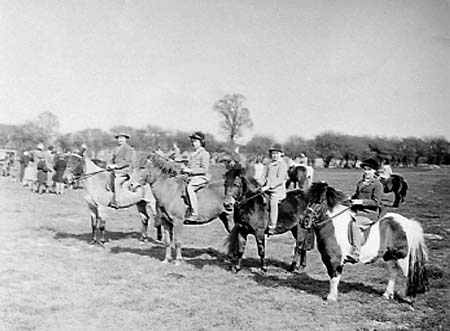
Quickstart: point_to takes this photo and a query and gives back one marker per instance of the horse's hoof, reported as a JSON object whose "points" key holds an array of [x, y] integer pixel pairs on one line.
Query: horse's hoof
{"points": [[330, 298], [299, 270], [178, 262], [388, 296], [93, 242], [234, 269], [143, 239], [165, 261]]}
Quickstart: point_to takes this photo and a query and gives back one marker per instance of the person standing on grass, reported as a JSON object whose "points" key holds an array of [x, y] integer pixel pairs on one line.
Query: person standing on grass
{"points": [[42, 171], [59, 167]]}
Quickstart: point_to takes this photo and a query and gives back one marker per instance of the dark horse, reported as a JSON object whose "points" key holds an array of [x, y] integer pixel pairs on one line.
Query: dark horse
{"points": [[394, 238], [251, 217], [398, 185]]}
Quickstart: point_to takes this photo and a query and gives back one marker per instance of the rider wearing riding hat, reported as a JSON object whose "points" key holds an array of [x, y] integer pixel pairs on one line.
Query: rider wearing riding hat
{"points": [[197, 170], [120, 163], [366, 202], [275, 183]]}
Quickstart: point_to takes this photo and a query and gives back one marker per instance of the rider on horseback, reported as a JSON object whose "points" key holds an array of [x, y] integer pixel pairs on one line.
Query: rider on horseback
{"points": [[385, 171], [275, 180], [120, 163], [197, 170], [366, 202]]}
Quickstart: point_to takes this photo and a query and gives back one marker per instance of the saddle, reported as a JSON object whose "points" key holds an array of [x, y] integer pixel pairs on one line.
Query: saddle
{"points": [[119, 180]]}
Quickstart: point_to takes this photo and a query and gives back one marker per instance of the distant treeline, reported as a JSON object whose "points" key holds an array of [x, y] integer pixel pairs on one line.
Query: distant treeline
{"points": [[328, 146]]}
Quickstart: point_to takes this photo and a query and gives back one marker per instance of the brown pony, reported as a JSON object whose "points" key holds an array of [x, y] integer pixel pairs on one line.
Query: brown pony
{"points": [[98, 197], [169, 186]]}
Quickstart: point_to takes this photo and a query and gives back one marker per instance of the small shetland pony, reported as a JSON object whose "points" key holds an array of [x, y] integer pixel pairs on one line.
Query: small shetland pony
{"points": [[397, 240], [169, 187], [98, 197], [251, 216], [397, 185]]}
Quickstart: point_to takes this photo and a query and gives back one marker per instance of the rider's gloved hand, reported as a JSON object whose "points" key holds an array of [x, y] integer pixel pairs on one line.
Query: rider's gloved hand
{"points": [[356, 202], [186, 170], [267, 188], [111, 166]]}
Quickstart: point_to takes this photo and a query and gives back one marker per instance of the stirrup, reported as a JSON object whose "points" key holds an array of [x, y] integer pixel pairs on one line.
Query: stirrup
{"points": [[113, 204]]}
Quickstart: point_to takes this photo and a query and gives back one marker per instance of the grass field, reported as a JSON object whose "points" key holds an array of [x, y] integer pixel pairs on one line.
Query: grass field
{"points": [[52, 279]]}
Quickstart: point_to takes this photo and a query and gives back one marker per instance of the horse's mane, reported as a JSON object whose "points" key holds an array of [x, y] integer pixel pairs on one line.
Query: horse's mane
{"points": [[296, 192], [167, 166], [320, 190]]}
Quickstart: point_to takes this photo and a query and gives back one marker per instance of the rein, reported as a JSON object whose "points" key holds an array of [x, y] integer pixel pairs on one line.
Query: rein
{"points": [[88, 175], [328, 218], [241, 202]]}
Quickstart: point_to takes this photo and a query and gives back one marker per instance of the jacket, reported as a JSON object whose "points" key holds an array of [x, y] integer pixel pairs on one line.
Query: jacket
{"points": [[199, 162], [276, 176], [370, 193], [123, 156]]}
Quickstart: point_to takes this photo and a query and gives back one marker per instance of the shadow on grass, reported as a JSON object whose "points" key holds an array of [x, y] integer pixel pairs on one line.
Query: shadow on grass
{"points": [[109, 235], [304, 282], [198, 257], [206, 257]]}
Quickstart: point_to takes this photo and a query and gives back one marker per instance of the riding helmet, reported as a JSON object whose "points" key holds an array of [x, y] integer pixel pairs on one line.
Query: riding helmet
{"points": [[371, 163], [122, 134], [276, 147], [198, 135]]}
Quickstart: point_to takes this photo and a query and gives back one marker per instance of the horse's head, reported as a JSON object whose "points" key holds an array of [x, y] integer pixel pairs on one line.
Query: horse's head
{"points": [[234, 186], [321, 198], [74, 168], [140, 176]]}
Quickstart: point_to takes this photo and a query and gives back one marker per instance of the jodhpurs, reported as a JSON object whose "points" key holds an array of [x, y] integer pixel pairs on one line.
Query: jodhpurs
{"points": [[195, 184]]}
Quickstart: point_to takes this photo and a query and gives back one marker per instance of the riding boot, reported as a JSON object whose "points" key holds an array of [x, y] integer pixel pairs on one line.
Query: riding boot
{"points": [[273, 216], [357, 238], [113, 203], [192, 196]]}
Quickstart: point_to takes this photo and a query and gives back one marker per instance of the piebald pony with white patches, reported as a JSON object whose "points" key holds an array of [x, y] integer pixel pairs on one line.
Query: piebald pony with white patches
{"points": [[399, 241]]}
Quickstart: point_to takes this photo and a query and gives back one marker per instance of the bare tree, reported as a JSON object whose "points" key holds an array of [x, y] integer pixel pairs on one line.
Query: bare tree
{"points": [[49, 124], [236, 118]]}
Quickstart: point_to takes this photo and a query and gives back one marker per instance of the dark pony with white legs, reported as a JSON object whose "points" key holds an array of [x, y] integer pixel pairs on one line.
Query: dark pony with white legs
{"points": [[397, 240]]}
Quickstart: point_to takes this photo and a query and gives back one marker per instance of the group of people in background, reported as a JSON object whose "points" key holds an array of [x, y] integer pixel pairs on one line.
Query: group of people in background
{"points": [[42, 170]]}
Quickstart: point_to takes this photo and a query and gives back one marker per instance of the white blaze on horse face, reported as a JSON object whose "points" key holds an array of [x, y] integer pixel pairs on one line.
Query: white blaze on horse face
{"points": [[370, 249]]}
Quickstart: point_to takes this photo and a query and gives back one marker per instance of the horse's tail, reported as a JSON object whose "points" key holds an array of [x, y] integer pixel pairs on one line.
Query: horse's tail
{"points": [[232, 242], [416, 277], [404, 189]]}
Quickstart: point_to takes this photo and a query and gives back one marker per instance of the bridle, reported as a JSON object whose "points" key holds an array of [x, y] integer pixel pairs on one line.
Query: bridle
{"points": [[318, 213], [82, 176]]}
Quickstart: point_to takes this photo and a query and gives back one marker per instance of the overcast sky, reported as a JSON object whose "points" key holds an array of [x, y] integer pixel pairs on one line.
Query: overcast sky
{"points": [[357, 67]]}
